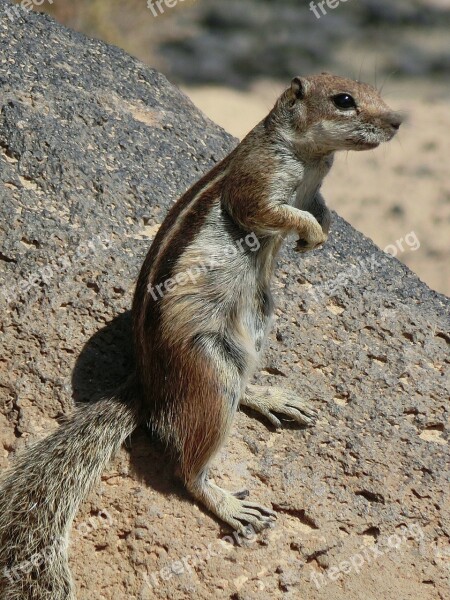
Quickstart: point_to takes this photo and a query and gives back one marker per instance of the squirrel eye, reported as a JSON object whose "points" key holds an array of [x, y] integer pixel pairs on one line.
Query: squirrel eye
{"points": [[344, 101]]}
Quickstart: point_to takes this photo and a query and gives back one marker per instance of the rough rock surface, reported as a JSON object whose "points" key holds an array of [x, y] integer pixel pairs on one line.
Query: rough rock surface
{"points": [[94, 147]]}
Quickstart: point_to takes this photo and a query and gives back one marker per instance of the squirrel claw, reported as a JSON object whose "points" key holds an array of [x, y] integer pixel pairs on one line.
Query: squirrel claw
{"points": [[303, 246]]}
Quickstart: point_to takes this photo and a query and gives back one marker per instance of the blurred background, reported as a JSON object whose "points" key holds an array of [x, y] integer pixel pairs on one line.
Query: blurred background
{"points": [[233, 57]]}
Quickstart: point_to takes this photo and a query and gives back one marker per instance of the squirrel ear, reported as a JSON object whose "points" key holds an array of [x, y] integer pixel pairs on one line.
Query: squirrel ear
{"points": [[297, 88]]}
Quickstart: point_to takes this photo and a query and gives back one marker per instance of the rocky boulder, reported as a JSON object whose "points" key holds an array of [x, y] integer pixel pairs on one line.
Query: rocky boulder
{"points": [[94, 148]]}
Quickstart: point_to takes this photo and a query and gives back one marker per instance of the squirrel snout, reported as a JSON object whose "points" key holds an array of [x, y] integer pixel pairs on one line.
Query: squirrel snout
{"points": [[395, 120]]}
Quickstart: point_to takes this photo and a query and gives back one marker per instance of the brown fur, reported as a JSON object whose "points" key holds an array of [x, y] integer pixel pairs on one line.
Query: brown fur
{"points": [[198, 342]]}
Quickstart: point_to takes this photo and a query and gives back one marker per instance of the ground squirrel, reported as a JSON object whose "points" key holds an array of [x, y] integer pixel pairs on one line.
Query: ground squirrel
{"points": [[197, 339]]}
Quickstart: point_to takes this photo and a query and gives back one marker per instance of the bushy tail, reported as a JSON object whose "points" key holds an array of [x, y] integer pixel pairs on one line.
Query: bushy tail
{"points": [[40, 495]]}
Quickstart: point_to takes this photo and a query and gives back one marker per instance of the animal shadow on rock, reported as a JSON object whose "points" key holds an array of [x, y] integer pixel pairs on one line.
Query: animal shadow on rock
{"points": [[104, 363]]}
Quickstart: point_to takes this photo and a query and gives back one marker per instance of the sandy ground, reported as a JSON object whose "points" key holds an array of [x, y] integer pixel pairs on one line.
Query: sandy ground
{"points": [[399, 194]]}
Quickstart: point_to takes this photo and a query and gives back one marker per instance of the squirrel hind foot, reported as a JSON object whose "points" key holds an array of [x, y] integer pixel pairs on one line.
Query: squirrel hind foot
{"points": [[270, 400], [243, 516]]}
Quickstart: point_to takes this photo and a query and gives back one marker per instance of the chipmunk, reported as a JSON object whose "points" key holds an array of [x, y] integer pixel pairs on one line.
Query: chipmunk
{"points": [[198, 341]]}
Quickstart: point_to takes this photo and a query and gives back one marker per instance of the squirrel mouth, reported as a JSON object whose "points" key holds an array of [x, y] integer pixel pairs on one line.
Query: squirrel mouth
{"points": [[366, 145], [362, 144]]}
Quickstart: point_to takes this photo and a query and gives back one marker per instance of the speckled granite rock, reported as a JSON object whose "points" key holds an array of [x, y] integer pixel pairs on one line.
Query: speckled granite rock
{"points": [[94, 147]]}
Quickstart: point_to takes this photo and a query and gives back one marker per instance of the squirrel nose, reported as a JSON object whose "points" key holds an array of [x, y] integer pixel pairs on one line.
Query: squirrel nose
{"points": [[395, 120]]}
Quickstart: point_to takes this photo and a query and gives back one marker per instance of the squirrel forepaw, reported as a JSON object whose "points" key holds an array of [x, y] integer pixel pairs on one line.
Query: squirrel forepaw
{"points": [[310, 236]]}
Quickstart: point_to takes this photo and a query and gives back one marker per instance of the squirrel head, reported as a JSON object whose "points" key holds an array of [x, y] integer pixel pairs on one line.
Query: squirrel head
{"points": [[325, 113]]}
